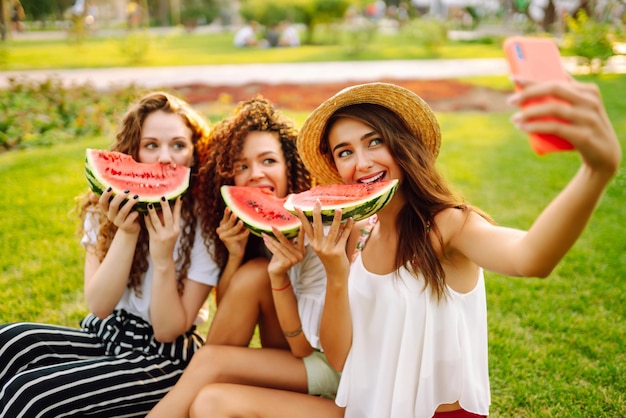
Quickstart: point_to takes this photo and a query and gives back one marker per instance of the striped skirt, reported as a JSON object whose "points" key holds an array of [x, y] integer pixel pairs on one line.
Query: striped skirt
{"points": [[110, 368]]}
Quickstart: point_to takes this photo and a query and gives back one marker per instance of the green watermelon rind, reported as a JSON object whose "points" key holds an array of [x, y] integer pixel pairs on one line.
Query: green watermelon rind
{"points": [[99, 185], [255, 227], [356, 210]]}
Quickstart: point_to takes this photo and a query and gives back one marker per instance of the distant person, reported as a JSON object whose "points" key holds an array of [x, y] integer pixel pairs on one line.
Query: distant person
{"points": [[272, 36], [133, 14], [247, 36], [289, 35], [17, 16]]}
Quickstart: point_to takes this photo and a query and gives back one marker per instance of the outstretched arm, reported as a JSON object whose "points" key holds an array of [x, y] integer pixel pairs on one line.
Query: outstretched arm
{"points": [[538, 251]]}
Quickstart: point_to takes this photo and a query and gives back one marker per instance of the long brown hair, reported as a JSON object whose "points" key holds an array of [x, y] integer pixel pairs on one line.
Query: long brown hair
{"points": [[128, 139], [426, 191], [217, 166]]}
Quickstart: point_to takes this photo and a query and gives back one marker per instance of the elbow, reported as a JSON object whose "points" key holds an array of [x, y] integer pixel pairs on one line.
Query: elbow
{"points": [[336, 365], [301, 352], [101, 312], [165, 336], [541, 272]]}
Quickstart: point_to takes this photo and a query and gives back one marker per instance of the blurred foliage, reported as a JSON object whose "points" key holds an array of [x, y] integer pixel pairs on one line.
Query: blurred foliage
{"points": [[590, 40], [430, 33], [308, 12], [43, 113]]}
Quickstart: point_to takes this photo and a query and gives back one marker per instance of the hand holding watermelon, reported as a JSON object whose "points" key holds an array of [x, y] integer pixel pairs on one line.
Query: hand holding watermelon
{"points": [[233, 233], [331, 247], [163, 228], [285, 253], [119, 210]]}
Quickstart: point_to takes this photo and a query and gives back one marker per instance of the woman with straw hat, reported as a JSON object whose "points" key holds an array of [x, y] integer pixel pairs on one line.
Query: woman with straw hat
{"points": [[409, 331]]}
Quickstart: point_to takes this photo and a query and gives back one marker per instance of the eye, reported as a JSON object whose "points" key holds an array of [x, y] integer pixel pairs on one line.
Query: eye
{"points": [[180, 145], [240, 167], [269, 161], [344, 153], [375, 141], [151, 145]]}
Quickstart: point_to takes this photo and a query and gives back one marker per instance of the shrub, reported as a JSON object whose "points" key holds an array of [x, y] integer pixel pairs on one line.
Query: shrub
{"points": [[589, 40], [432, 34], [40, 113]]}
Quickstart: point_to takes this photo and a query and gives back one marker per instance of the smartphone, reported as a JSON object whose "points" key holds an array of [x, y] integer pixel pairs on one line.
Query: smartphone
{"points": [[537, 59]]}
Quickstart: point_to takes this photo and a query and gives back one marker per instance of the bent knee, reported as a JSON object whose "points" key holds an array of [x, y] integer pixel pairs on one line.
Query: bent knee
{"points": [[251, 277], [211, 401]]}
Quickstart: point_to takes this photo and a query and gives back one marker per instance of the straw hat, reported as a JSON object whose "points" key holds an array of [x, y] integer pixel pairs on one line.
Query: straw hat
{"points": [[411, 109]]}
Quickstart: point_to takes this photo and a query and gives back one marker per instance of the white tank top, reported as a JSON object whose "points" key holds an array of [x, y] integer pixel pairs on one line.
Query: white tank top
{"points": [[410, 353]]}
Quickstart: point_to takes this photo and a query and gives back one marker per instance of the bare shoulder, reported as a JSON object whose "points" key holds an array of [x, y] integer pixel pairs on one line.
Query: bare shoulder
{"points": [[454, 223]]}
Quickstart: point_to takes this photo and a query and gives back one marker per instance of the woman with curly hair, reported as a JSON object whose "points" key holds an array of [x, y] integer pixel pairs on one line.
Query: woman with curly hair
{"points": [[273, 282], [146, 278]]}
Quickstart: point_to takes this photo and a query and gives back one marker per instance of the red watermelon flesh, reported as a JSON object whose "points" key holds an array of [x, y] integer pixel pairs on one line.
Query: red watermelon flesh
{"points": [[121, 172], [357, 201], [259, 209]]}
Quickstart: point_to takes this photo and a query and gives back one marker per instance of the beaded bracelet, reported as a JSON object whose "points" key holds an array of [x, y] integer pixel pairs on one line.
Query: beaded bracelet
{"points": [[291, 334]]}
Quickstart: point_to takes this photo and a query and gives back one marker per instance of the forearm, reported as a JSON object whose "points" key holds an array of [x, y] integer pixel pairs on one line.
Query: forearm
{"points": [[286, 306], [105, 284], [167, 312], [336, 324], [559, 226]]}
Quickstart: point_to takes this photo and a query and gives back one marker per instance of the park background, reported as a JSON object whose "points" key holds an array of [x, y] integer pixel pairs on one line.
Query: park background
{"points": [[557, 346]]}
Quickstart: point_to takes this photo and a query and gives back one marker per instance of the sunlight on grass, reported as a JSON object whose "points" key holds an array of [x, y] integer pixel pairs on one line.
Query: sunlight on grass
{"points": [[556, 346], [182, 48]]}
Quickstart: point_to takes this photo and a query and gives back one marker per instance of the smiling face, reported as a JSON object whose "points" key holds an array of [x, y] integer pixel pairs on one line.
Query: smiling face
{"points": [[262, 163], [165, 138], [360, 153]]}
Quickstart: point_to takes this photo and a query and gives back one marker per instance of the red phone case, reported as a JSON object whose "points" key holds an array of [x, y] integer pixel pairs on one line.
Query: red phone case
{"points": [[537, 59]]}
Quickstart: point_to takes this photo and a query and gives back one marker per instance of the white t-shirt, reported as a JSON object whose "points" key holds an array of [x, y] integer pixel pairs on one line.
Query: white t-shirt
{"points": [[202, 269], [244, 36], [410, 352], [289, 37]]}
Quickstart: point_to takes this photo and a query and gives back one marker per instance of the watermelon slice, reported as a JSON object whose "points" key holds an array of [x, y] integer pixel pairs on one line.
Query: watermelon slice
{"points": [[357, 201], [258, 208], [121, 172]]}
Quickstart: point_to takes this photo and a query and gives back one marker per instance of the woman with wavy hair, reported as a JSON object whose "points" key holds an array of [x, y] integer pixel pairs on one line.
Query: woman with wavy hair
{"points": [[274, 283], [146, 278], [408, 331]]}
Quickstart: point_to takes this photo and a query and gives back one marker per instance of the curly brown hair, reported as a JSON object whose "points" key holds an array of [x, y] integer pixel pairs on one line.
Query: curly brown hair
{"points": [[128, 139], [217, 166]]}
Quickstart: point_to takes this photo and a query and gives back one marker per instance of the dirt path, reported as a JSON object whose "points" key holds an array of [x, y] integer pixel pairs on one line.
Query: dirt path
{"points": [[441, 95]]}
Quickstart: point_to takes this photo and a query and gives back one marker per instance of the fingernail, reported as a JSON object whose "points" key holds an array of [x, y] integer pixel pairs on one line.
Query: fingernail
{"points": [[109, 189], [513, 98], [150, 206], [126, 191], [136, 197], [162, 198]]}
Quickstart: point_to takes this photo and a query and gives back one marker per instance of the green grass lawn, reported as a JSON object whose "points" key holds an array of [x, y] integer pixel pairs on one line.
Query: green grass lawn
{"points": [[178, 47], [556, 345]]}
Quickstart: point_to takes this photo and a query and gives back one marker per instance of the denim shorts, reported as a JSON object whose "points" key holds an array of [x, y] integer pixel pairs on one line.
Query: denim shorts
{"points": [[322, 379]]}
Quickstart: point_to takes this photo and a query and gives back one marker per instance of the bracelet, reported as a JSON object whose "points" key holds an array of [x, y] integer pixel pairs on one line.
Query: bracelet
{"points": [[291, 334], [278, 289]]}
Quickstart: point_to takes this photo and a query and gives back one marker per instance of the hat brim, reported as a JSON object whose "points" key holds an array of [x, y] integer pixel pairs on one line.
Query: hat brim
{"points": [[409, 107]]}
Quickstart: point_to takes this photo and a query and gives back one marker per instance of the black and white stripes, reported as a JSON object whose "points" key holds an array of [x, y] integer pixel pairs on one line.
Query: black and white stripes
{"points": [[111, 368]]}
